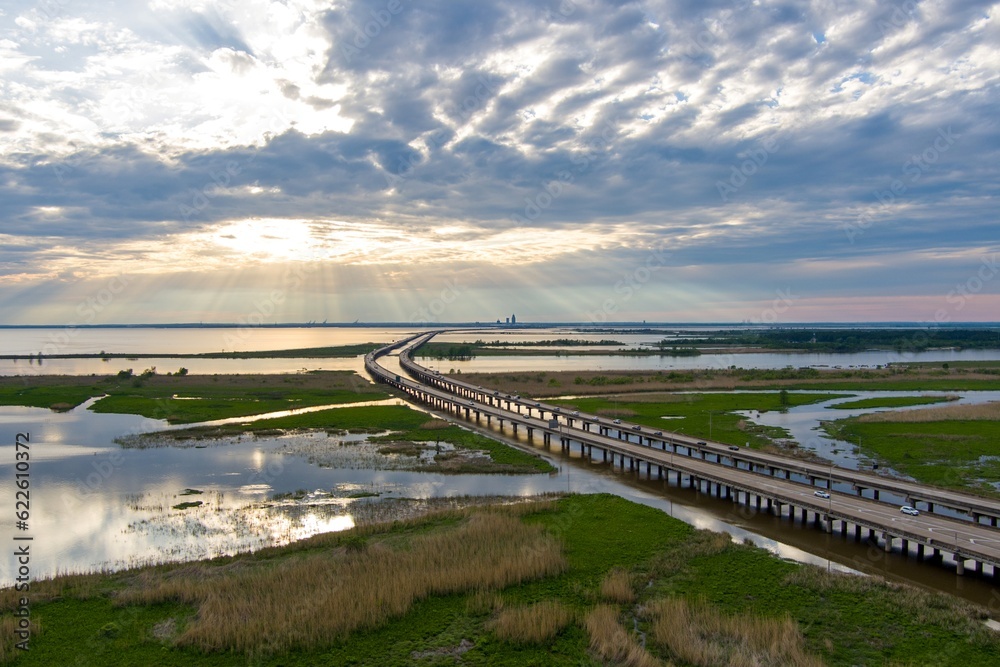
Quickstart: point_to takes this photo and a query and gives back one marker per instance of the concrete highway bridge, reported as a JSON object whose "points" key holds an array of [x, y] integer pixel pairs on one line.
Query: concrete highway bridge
{"points": [[854, 502]]}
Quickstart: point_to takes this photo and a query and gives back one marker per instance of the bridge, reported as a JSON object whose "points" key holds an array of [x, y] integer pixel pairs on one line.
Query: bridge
{"points": [[851, 501]]}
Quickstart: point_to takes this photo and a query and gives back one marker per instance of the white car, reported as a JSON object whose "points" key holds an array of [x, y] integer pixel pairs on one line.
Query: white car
{"points": [[912, 511], [821, 494]]}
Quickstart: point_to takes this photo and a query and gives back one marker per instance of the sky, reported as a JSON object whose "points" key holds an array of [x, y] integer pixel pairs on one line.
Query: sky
{"points": [[265, 161]]}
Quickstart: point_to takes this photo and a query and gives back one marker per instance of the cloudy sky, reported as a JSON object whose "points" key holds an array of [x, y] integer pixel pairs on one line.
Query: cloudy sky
{"points": [[460, 160]]}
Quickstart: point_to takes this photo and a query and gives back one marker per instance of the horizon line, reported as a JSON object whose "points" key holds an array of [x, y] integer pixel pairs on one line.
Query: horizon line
{"points": [[519, 325]]}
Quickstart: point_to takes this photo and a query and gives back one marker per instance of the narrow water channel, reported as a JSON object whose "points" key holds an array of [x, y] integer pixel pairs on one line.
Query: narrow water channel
{"points": [[784, 537]]}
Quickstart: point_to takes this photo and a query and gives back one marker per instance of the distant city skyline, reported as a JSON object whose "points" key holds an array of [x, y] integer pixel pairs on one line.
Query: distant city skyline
{"points": [[442, 161]]}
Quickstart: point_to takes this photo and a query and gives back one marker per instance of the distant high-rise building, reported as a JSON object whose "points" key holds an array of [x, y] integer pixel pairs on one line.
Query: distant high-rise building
{"points": [[508, 321], [513, 319]]}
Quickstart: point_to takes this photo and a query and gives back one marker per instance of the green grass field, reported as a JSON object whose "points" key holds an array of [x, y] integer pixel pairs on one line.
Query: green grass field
{"points": [[620, 562], [186, 399], [364, 419], [406, 424], [702, 415], [956, 454], [48, 396]]}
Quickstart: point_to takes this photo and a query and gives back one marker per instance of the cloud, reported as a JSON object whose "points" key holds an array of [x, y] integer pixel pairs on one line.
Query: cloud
{"points": [[845, 148]]}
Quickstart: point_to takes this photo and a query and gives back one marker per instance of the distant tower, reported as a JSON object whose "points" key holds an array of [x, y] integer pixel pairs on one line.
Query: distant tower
{"points": [[513, 319], [508, 321]]}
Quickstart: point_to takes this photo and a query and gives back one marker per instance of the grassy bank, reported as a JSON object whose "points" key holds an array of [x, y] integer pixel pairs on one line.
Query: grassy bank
{"points": [[465, 351], [892, 402], [186, 398], [504, 458], [701, 415], [50, 391], [904, 377], [903, 341], [955, 447], [406, 426], [540, 583]]}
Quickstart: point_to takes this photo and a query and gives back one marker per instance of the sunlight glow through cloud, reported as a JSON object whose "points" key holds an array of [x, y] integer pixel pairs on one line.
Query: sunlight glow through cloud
{"points": [[197, 142]]}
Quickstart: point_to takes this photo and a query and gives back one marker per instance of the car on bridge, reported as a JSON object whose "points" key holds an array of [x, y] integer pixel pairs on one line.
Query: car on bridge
{"points": [[907, 509], [616, 421], [821, 494], [636, 428]]}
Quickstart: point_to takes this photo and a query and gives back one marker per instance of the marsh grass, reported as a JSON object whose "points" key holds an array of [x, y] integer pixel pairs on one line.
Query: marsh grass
{"points": [[502, 457], [612, 642], [985, 411], [924, 608], [699, 414], [674, 557], [168, 397], [316, 598], [976, 375], [8, 640], [893, 402], [617, 587], [697, 634], [67, 585], [952, 447], [274, 598], [532, 624]]}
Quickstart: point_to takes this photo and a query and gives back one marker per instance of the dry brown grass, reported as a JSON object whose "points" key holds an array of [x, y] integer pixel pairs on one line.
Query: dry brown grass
{"points": [[80, 586], [533, 624], [701, 635], [615, 412], [698, 380], [610, 641], [8, 625], [311, 598], [8, 640], [617, 587], [982, 412]]}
